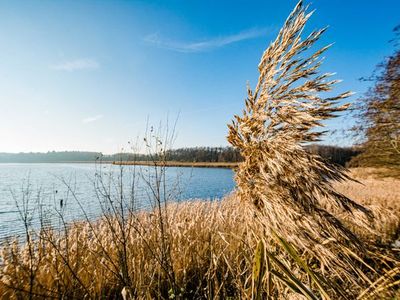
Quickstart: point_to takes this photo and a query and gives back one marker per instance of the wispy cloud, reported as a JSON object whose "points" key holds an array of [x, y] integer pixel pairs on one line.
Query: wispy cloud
{"points": [[205, 45], [76, 64], [92, 119]]}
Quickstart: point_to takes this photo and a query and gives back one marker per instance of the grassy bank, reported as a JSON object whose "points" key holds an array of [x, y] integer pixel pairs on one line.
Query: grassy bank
{"points": [[179, 164]]}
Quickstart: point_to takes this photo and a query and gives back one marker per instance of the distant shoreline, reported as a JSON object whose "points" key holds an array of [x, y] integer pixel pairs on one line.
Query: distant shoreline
{"points": [[227, 165], [58, 162]]}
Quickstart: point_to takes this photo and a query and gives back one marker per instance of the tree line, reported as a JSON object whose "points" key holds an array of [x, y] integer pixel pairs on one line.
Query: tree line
{"points": [[49, 157], [339, 155], [378, 114]]}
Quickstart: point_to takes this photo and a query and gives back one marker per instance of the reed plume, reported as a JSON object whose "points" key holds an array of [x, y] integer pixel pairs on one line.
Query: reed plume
{"points": [[291, 187]]}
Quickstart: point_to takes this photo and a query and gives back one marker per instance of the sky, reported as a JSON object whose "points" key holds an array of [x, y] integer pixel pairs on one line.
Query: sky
{"points": [[90, 75]]}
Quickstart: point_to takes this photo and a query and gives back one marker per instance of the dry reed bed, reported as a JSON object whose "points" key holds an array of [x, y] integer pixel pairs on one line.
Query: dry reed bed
{"points": [[378, 193], [373, 188], [211, 247]]}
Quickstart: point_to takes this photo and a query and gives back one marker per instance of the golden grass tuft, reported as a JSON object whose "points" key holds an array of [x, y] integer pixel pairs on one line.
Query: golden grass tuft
{"points": [[291, 187]]}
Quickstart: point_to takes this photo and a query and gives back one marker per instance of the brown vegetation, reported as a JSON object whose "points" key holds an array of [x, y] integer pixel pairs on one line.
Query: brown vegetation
{"points": [[378, 113], [292, 188], [212, 246]]}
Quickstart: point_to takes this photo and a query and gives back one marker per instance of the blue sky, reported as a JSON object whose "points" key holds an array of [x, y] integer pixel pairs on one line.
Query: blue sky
{"points": [[86, 75]]}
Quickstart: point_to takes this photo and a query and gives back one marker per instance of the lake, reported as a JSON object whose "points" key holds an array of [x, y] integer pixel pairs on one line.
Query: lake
{"points": [[72, 188]]}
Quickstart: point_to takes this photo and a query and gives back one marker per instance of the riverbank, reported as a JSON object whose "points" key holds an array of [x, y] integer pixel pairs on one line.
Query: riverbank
{"points": [[230, 165], [227, 165]]}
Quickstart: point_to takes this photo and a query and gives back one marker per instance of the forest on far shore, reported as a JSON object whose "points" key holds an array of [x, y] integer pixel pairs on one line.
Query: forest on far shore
{"points": [[339, 155]]}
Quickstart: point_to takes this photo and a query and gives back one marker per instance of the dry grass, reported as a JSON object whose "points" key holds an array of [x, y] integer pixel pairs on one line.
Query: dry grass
{"points": [[293, 190], [372, 188], [381, 194], [291, 187], [211, 244], [211, 248]]}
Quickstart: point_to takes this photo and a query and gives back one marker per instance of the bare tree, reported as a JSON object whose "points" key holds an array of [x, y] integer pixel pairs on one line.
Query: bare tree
{"points": [[378, 113]]}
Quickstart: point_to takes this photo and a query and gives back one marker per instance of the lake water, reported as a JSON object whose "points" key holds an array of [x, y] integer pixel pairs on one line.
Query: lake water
{"points": [[70, 187]]}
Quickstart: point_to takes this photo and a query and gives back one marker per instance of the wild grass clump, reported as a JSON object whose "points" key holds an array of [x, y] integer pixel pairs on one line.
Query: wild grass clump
{"points": [[292, 188], [210, 246]]}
